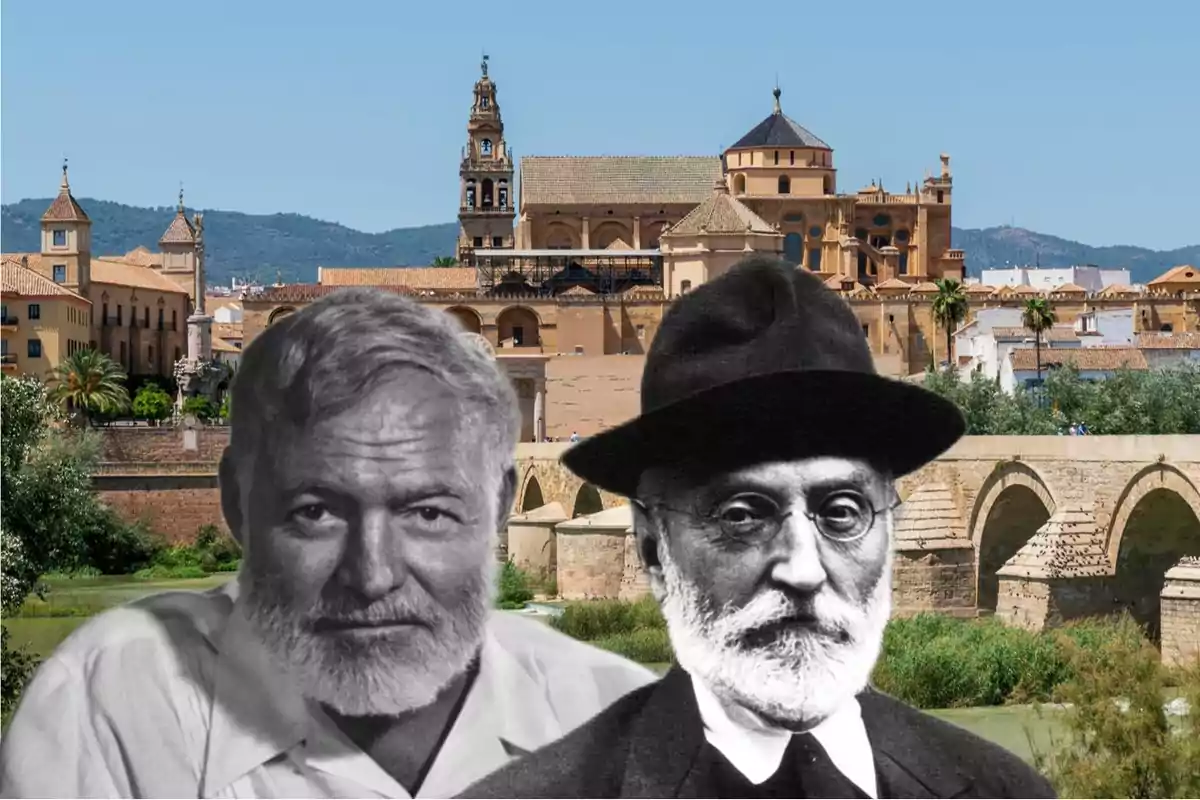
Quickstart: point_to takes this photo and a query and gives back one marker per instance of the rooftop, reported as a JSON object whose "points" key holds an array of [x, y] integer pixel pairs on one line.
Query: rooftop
{"points": [[601, 180], [1084, 358], [779, 130], [18, 279], [720, 214]]}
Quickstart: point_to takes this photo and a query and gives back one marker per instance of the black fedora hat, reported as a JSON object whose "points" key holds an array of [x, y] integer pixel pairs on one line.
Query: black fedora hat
{"points": [[765, 363]]}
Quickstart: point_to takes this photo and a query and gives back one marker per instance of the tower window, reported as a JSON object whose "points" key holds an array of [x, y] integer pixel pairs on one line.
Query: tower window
{"points": [[777, 157], [120, 314], [160, 319], [685, 286], [470, 194], [60, 237], [941, 196], [485, 147], [60, 273], [478, 241], [497, 241], [503, 196], [484, 102]]}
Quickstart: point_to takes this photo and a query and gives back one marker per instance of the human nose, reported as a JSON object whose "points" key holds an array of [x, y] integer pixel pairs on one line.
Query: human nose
{"points": [[799, 565], [369, 565]]}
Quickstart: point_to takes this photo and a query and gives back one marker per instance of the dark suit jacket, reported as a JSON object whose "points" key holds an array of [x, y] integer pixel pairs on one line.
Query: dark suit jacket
{"points": [[646, 745]]}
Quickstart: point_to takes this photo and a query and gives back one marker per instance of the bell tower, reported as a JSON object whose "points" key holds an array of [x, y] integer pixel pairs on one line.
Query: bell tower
{"points": [[486, 211]]}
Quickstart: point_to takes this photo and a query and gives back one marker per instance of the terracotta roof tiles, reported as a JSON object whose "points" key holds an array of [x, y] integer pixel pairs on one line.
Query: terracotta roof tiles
{"points": [[461, 278], [1185, 273], [17, 279], [180, 231], [720, 214], [1184, 340], [616, 180], [1085, 358], [308, 292]]}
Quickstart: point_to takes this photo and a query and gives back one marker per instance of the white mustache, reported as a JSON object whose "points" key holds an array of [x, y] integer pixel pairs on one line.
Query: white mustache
{"points": [[830, 615]]}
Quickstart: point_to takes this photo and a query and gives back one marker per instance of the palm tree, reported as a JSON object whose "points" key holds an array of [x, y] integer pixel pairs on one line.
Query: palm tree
{"points": [[949, 309], [1038, 316], [89, 382], [445, 261]]}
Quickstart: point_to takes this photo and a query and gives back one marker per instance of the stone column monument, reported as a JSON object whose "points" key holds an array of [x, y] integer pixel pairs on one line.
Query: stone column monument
{"points": [[197, 374]]}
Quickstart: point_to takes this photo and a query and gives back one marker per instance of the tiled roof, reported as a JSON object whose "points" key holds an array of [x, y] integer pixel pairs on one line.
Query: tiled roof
{"points": [[614, 180], [926, 287], [142, 257], [121, 273], [20, 280], [1087, 358], [1070, 288], [222, 346], [720, 214], [578, 291], [1026, 290], [979, 288], [1184, 273], [308, 292], [64, 208], [779, 130], [894, 283], [1059, 333], [1184, 340], [1118, 288], [180, 231], [414, 277]]}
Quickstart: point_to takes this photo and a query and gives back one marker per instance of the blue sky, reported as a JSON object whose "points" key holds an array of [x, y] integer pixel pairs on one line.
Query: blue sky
{"points": [[1073, 118]]}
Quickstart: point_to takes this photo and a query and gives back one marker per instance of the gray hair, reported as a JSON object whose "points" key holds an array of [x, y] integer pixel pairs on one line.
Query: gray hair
{"points": [[325, 358]]}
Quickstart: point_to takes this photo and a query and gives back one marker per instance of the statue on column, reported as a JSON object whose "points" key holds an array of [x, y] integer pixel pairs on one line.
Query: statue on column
{"points": [[198, 374]]}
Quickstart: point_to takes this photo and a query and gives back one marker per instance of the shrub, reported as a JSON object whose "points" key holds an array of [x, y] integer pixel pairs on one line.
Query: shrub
{"points": [[200, 407], [513, 590], [596, 619], [115, 547], [17, 666], [644, 645], [1119, 741]]}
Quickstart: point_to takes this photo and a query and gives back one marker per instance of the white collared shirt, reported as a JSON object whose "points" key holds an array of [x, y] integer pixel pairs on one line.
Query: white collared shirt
{"points": [[756, 748], [171, 696]]}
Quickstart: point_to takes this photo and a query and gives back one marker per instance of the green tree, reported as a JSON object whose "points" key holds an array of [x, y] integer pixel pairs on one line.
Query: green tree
{"points": [[152, 403], [226, 406], [445, 261], [1038, 316], [200, 407], [949, 309], [89, 383]]}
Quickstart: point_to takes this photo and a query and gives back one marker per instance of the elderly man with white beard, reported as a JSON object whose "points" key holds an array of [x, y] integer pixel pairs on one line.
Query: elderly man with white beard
{"points": [[761, 473], [370, 466]]}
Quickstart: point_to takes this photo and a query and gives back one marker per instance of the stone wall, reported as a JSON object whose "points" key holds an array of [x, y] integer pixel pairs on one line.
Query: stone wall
{"points": [[938, 580], [161, 445]]}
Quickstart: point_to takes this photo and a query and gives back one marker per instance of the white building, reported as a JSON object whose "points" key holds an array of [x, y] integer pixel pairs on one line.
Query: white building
{"points": [[1019, 367], [1087, 277]]}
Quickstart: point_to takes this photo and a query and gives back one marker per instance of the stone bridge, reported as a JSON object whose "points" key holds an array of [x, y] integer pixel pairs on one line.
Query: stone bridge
{"points": [[1035, 529]]}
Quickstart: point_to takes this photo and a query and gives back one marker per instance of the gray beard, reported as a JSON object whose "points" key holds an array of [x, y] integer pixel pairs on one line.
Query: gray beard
{"points": [[798, 679], [384, 674]]}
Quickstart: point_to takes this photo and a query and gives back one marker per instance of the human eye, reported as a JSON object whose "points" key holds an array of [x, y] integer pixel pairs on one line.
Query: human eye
{"points": [[844, 513], [432, 517], [744, 514], [313, 515]]}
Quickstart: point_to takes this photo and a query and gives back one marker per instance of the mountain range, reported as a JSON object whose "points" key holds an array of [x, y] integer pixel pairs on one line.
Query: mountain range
{"points": [[267, 247]]}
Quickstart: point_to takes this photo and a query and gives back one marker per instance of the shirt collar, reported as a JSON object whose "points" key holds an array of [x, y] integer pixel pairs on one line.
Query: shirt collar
{"points": [[755, 748], [257, 715]]}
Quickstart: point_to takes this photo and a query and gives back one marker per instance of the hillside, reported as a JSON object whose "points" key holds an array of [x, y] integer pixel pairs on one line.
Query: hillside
{"points": [[290, 245]]}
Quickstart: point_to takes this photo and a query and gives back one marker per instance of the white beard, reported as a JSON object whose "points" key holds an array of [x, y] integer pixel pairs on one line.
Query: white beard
{"points": [[377, 675], [801, 677]]}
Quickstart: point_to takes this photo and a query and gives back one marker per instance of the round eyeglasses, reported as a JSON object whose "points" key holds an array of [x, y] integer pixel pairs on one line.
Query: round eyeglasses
{"points": [[842, 516]]}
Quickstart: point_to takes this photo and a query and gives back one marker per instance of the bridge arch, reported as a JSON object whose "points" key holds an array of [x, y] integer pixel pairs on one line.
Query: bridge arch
{"points": [[587, 501], [1013, 502], [1155, 524], [530, 496]]}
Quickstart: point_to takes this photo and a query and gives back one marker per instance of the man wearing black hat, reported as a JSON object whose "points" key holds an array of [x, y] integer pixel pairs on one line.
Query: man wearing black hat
{"points": [[761, 474]]}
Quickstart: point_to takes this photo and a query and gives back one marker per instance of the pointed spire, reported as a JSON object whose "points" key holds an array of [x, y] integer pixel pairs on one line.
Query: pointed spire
{"points": [[777, 93], [64, 208], [65, 186], [180, 197], [483, 64]]}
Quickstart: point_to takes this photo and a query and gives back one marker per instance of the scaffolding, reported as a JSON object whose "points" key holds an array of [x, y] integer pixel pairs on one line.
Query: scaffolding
{"points": [[550, 272]]}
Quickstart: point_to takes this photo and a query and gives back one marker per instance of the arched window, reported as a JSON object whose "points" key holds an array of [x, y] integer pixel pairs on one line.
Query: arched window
{"points": [[793, 248], [739, 184], [503, 194], [470, 194], [486, 199], [485, 147], [785, 185]]}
